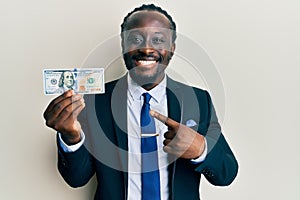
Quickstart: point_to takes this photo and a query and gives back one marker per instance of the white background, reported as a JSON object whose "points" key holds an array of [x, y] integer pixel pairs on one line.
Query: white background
{"points": [[254, 44]]}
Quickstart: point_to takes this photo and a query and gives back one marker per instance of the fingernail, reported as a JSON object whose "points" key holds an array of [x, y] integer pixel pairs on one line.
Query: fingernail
{"points": [[152, 113]]}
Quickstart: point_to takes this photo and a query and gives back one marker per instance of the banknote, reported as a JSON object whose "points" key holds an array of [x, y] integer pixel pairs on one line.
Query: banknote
{"points": [[81, 80]]}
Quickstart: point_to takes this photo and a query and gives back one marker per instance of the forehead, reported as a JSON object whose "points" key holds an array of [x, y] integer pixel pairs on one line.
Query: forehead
{"points": [[142, 19]]}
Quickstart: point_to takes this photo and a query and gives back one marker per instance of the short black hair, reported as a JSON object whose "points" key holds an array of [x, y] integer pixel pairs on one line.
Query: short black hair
{"points": [[151, 7]]}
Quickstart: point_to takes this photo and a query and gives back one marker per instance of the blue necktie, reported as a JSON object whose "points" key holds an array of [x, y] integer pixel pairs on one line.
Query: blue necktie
{"points": [[150, 172]]}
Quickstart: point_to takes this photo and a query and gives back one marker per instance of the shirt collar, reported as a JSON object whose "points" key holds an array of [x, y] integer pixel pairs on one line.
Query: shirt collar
{"points": [[136, 91]]}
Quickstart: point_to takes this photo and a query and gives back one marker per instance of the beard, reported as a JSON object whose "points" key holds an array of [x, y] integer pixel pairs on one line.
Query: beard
{"points": [[147, 80], [143, 75]]}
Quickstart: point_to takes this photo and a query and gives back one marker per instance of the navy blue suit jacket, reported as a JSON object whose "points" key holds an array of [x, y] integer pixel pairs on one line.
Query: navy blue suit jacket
{"points": [[104, 123]]}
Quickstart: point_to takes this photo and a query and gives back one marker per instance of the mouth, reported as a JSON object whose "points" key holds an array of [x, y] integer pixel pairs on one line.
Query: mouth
{"points": [[146, 61]]}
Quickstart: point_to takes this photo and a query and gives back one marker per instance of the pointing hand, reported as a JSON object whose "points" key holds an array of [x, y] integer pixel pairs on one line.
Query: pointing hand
{"points": [[180, 140]]}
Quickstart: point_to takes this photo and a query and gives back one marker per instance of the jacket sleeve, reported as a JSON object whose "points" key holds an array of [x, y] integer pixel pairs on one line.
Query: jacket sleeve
{"points": [[220, 167], [77, 167]]}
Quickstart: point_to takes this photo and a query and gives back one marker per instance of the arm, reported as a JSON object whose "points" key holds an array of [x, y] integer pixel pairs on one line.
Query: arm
{"points": [[61, 115], [75, 167], [220, 166]]}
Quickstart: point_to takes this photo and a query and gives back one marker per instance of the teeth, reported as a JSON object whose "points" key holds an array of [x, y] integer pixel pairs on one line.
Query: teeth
{"points": [[146, 62]]}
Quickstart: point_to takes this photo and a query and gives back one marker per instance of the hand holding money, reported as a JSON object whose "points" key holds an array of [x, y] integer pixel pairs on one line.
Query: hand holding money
{"points": [[61, 115]]}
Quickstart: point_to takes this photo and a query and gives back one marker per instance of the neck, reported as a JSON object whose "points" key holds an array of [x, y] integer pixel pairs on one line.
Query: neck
{"points": [[149, 86]]}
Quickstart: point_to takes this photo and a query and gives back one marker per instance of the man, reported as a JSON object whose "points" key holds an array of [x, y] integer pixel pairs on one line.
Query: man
{"points": [[66, 82], [115, 126]]}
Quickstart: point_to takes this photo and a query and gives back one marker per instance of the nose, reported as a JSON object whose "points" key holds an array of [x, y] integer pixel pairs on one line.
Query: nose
{"points": [[146, 50], [146, 47]]}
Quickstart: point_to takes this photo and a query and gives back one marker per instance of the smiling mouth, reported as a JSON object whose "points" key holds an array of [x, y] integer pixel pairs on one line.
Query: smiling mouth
{"points": [[145, 62]]}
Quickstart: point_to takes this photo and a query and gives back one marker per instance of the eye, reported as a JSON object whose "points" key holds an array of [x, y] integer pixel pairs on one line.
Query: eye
{"points": [[158, 40], [135, 39]]}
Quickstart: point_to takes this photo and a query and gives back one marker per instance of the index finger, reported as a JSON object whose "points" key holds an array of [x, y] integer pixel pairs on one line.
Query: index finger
{"points": [[164, 119]]}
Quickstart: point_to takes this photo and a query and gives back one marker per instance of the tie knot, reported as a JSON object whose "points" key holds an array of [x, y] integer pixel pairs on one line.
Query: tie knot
{"points": [[147, 97]]}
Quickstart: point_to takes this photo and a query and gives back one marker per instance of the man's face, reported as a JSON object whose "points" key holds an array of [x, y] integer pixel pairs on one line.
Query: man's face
{"points": [[68, 79], [147, 46]]}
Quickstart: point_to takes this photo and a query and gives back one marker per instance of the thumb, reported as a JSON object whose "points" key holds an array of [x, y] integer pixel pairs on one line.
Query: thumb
{"points": [[172, 124]]}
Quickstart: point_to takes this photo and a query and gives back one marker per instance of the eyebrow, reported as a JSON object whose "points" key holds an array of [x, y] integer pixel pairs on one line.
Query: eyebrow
{"points": [[133, 31], [137, 31]]}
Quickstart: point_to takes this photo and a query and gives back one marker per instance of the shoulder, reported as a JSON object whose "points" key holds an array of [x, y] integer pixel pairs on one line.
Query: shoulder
{"points": [[187, 90], [118, 83]]}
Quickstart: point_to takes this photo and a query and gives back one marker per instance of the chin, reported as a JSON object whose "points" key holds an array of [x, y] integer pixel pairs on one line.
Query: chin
{"points": [[144, 79], [145, 74]]}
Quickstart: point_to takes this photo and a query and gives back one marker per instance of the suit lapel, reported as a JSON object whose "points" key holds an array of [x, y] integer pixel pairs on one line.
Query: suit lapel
{"points": [[119, 112], [174, 99], [183, 105]]}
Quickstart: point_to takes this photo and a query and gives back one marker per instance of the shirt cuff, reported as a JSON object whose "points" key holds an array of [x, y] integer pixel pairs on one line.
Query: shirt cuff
{"points": [[71, 148], [203, 155]]}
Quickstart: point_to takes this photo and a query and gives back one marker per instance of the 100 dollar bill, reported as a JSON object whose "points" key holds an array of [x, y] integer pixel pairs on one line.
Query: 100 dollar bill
{"points": [[82, 81]]}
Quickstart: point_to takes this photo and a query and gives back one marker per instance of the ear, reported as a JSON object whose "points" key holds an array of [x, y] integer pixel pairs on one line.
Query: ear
{"points": [[122, 42], [172, 49]]}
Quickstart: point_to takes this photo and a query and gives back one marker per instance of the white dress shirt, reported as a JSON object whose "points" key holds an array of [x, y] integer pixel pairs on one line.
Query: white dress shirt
{"points": [[135, 101]]}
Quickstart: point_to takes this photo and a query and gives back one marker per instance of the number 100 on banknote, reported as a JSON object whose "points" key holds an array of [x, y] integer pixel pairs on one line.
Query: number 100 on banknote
{"points": [[82, 81]]}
